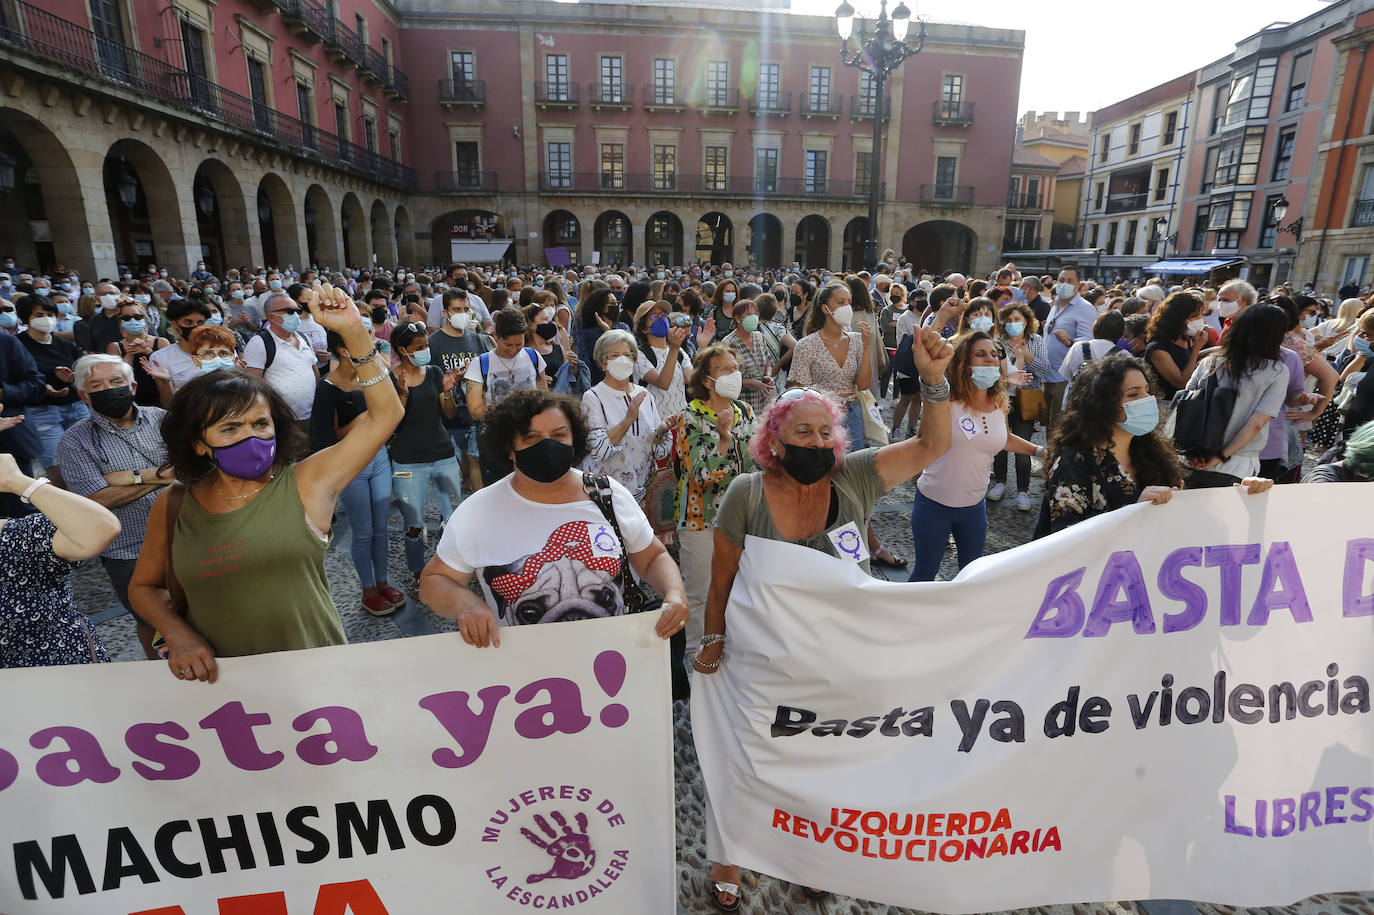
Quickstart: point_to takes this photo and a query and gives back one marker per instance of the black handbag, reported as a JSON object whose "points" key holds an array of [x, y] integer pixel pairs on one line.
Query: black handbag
{"points": [[1201, 416], [636, 599], [903, 362]]}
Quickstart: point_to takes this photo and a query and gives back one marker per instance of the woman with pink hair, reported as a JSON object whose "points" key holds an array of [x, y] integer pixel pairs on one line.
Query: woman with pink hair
{"points": [[811, 493]]}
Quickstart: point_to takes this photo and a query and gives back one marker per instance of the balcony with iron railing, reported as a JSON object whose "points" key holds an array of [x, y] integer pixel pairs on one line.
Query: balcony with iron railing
{"points": [[663, 98], [556, 95], [1017, 201], [718, 101], [306, 18], [821, 105], [1364, 214], [951, 113], [610, 95], [777, 103], [467, 181], [397, 84], [700, 185], [947, 194], [50, 40], [861, 107], [344, 45], [375, 66], [463, 93], [1126, 203]]}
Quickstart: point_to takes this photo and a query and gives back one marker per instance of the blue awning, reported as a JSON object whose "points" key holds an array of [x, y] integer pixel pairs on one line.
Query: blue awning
{"points": [[1190, 265]]}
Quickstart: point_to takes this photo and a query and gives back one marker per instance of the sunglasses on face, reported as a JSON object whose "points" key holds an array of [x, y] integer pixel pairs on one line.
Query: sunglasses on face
{"points": [[289, 311], [797, 393]]}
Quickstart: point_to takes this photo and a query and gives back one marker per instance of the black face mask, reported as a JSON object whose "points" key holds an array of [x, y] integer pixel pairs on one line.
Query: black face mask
{"points": [[114, 403], [547, 331], [379, 315], [546, 461], [794, 300], [807, 465], [460, 283]]}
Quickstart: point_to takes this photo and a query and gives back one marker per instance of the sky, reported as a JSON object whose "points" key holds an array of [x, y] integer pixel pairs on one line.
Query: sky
{"points": [[1082, 55]]}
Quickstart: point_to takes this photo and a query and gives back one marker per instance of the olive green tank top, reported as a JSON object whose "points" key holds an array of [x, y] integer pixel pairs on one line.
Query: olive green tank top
{"points": [[254, 577]]}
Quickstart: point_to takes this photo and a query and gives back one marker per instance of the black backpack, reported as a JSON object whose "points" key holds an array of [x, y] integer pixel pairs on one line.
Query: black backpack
{"points": [[1201, 416]]}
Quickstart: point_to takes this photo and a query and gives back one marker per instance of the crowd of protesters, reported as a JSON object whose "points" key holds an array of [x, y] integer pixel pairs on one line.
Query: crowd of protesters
{"points": [[200, 435]]}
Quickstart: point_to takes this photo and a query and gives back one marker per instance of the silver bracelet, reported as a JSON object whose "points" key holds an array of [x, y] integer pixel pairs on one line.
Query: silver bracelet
{"points": [[371, 381], [712, 638], [935, 393]]}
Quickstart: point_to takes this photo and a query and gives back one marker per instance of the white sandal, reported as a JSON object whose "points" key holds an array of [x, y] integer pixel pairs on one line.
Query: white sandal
{"points": [[730, 889]]}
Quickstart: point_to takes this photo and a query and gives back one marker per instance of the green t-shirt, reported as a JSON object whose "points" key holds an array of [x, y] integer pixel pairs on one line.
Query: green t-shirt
{"points": [[857, 487], [254, 577]]}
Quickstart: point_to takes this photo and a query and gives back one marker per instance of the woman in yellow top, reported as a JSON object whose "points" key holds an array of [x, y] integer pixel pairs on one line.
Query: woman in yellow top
{"points": [[251, 525]]}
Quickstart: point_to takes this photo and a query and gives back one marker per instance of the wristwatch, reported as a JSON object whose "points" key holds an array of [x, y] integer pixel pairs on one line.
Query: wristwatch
{"points": [[138, 477]]}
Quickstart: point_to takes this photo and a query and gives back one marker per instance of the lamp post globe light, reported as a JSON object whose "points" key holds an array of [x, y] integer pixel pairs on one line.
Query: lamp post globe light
{"points": [[880, 48]]}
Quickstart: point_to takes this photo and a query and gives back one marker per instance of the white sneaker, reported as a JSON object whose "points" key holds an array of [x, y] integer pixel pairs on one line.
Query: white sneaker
{"points": [[996, 492], [1023, 502]]}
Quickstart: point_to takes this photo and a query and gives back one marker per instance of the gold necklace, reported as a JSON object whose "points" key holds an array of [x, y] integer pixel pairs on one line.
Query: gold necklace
{"points": [[229, 498]]}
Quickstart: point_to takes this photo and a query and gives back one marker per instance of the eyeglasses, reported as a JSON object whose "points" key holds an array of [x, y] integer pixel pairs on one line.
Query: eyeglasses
{"points": [[206, 355]]}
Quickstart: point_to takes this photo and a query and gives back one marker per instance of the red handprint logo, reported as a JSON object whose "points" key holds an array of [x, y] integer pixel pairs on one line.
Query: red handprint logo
{"points": [[571, 851]]}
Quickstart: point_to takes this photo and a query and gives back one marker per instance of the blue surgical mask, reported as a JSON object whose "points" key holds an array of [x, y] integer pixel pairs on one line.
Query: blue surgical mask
{"points": [[290, 323], [660, 327], [1015, 328], [274, 285], [728, 298], [215, 320], [985, 376], [1141, 415], [134, 325], [1064, 291], [213, 365], [143, 299], [1364, 347], [44, 292], [236, 294], [65, 308], [419, 358], [982, 323], [8, 319], [88, 290]]}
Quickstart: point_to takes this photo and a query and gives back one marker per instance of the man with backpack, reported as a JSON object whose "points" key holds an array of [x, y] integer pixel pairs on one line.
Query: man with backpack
{"points": [[495, 375], [279, 354]]}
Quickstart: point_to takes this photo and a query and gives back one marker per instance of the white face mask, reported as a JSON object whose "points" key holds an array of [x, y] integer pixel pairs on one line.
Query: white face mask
{"points": [[1226, 309], [108, 301], [459, 321], [1196, 326], [843, 315], [43, 325], [1309, 322], [730, 385], [620, 367]]}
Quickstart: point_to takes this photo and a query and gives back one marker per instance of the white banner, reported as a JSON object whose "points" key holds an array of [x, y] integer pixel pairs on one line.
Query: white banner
{"points": [[1162, 702], [408, 776]]}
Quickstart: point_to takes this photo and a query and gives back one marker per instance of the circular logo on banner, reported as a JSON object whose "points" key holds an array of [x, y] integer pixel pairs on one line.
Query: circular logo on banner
{"points": [[551, 847]]}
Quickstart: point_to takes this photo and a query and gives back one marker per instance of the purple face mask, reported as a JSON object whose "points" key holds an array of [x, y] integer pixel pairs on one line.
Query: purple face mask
{"points": [[248, 458]]}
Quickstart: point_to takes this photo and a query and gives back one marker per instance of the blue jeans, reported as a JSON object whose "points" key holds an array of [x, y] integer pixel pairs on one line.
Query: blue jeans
{"points": [[931, 524], [854, 423], [51, 422], [367, 502], [411, 483]]}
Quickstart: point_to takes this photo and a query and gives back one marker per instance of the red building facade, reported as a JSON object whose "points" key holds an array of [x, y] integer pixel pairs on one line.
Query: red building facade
{"points": [[294, 131]]}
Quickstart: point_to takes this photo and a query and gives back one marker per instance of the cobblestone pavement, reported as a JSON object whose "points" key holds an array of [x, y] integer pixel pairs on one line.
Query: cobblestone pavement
{"points": [[763, 895]]}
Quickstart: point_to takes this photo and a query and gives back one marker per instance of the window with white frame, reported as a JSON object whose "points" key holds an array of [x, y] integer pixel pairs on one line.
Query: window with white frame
{"points": [[556, 77], [770, 79], [718, 83], [819, 88], [612, 78]]}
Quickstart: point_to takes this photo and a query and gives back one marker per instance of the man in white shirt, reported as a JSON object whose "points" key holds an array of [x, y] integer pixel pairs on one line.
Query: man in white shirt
{"points": [[289, 364]]}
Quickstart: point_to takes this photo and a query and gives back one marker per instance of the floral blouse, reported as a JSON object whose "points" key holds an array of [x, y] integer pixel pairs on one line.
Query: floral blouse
{"points": [[703, 473], [814, 367], [1081, 486], [1298, 341], [753, 363]]}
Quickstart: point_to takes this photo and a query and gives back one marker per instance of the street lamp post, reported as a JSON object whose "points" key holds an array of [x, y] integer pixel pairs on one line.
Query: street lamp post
{"points": [[881, 48], [1279, 211]]}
